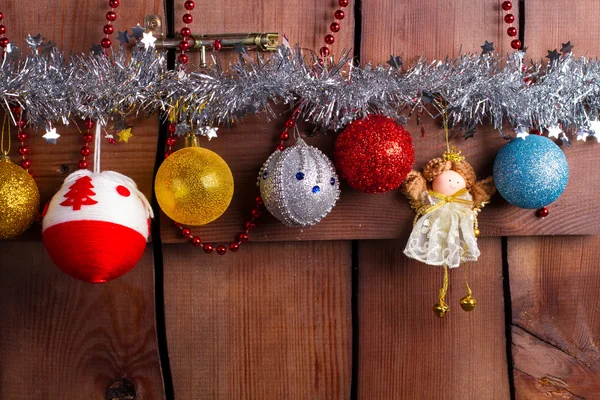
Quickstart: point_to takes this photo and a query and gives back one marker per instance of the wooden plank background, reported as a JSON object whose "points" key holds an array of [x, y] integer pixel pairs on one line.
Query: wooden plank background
{"points": [[292, 320]]}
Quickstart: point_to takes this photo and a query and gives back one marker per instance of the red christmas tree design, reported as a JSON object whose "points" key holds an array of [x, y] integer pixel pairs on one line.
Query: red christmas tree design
{"points": [[79, 194]]}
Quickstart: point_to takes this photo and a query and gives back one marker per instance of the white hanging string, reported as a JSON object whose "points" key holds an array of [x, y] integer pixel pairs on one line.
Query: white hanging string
{"points": [[97, 148]]}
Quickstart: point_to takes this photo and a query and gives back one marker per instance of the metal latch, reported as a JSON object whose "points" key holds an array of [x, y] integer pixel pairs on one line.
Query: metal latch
{"points": [[203, 43]]}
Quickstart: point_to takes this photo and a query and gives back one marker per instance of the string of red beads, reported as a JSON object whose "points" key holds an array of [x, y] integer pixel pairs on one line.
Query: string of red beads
{"points": [[109, 29], [171, 139], [186, 32], [87, 139], [3, 39], [512, 32], [234, 246], [334, 27], [22, 137]]}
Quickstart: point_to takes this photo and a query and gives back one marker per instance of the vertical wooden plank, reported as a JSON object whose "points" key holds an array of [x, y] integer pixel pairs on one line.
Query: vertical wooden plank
{"points": [[556, 319], [270, 322], [406, 352], [65, 339], [431, 28]]}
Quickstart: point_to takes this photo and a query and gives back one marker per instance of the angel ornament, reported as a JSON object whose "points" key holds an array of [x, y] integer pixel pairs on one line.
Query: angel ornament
{"points": [[447, 199]]}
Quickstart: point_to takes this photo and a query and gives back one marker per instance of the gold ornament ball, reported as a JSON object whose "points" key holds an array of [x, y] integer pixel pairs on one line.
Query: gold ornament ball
{"points": [[194, 186], [441, 309], [468, 303], [19, 199], [477, 232]]}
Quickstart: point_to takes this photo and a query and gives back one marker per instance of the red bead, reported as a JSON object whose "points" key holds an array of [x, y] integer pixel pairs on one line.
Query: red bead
{"points": [[87, 138], [512, 31], [25, 163], [208, 248], [259, 200], [256, 213], [279, 147], [284, 136], [187, 18], [515, 44], [334, 27], [343, 3], [112, 141], [21, 136], [184, 45], [339, 14], [168, 153], [171, 141], [1, 16], [85, 151], [234, 247], [324, 51], [185, 31], [509, 18], [22, 123], [83, 164], [106, 43], [329, 39], [221, 250], [111, 16], [172, 127], [16, 110], [290, 123], [217, 45], [183, 58], [542, 212], [243, 237], [249, 225], [189, 5], [4, 42], [196, 241], [89, 124], [108, 29], [113, 3], [23, 150], [186, 232], [507, 5], [2, 29]]}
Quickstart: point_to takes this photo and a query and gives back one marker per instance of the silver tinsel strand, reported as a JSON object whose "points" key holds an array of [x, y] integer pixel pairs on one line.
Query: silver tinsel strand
{"points": [[472, 89]]}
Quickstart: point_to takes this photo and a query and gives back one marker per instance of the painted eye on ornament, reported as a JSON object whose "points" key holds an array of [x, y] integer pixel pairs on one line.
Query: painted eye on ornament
{"points": [[123, 191], [300, 176], [332, 181], [316, 189]]}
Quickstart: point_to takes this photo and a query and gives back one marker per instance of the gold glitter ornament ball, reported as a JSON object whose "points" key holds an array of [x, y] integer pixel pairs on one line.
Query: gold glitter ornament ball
{"points": [[19, 199], [194, 186]]}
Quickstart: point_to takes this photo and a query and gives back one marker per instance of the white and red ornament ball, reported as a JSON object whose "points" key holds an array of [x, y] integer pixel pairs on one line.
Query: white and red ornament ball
{"points": [[96, 227]]}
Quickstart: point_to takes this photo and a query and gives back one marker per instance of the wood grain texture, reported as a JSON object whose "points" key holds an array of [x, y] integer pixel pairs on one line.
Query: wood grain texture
{"points": [[548, 25], [271, 322], [556, 319], [406, 352], [65, 339], [431, 28]]}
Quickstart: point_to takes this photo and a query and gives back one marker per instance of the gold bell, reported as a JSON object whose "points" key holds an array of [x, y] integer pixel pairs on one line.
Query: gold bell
{"points": [[477, 232], [441, 309], [468, 303]]}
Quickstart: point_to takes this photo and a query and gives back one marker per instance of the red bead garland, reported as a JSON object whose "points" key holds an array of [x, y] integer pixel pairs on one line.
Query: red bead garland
{"points": [[186, 33], [106, 42], [3, 40], [21, 137], [334, 27], [234, 246], [87, 139], [511, 31]]}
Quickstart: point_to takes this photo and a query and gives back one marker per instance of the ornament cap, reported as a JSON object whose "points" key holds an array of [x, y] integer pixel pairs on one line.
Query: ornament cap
{"points": [[191, 140]]}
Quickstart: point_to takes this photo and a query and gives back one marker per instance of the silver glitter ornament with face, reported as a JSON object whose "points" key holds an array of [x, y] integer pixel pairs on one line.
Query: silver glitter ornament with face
{"points": [[299, 185]]}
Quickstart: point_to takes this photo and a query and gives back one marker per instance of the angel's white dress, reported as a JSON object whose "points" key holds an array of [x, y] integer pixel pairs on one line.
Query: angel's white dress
{"points": [[446, 235]]}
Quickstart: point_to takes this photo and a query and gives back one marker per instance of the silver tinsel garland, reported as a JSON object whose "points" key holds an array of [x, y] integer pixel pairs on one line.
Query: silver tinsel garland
{"points": [[472, 89]]}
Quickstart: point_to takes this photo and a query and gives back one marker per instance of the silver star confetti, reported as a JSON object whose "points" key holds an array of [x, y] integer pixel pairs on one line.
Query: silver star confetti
{"points": [[51, 136]]}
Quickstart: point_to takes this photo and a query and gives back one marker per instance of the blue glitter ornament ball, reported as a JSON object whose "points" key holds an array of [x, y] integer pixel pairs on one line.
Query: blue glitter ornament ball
{"points": [[531, 172]]}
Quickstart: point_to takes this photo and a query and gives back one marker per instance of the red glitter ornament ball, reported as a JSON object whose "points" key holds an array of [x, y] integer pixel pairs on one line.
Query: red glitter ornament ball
{"points": [[374, 154]]}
